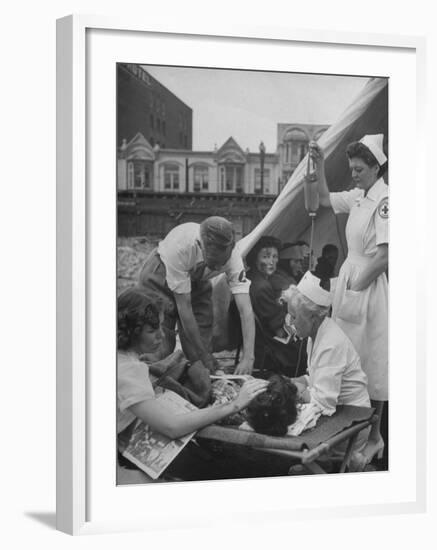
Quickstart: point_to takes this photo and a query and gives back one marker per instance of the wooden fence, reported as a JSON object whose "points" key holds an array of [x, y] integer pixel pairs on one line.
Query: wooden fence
{"points": [[155, 214]]}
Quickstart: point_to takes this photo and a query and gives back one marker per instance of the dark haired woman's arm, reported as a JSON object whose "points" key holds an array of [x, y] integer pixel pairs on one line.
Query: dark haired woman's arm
{"points": [[159, 418]]}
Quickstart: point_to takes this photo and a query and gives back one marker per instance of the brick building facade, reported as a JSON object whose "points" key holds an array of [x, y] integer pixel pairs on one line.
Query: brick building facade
{"points": [[146, 106]]}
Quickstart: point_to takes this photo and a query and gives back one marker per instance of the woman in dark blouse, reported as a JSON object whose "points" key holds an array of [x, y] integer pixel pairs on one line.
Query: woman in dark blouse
{"points": [[270, 353]]}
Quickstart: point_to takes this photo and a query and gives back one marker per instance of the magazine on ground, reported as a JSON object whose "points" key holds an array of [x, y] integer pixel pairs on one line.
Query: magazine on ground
{"points": [[152, 451]]}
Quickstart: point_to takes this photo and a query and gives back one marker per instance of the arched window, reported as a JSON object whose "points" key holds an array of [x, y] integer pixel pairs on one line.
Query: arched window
{"points": [[295, 145]]}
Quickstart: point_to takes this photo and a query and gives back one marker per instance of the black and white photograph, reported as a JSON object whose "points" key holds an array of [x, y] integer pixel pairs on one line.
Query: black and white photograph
{"points": [[252, 273], [220, 348]]}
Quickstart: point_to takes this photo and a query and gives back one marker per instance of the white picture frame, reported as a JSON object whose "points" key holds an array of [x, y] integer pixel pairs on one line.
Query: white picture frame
{"points": [[77, 233]]}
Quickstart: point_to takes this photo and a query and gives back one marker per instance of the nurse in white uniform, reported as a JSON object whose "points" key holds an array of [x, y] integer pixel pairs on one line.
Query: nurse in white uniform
{"points": [[360, 304]]}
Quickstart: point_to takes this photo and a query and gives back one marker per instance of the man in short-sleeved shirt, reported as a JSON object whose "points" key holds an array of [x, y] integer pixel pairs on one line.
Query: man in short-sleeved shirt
{"points": [[182, 255], [180, 271]]}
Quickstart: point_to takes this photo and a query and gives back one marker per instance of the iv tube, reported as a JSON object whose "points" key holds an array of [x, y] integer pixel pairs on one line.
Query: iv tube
{"points": [[311, 194]]}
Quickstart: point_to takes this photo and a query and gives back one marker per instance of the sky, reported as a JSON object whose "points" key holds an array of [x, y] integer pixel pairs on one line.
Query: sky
{"points": [[248, 105]]}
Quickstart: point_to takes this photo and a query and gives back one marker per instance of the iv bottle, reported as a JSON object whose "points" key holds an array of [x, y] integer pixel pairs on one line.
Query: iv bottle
{"points": [[311, 190]]}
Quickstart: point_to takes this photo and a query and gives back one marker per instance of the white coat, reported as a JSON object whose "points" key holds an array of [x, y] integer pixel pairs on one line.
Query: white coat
{"points": [[334, 375]]}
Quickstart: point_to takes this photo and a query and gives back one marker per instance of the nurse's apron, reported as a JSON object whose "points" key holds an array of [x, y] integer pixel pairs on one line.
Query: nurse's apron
{"points": [[363, 315]]}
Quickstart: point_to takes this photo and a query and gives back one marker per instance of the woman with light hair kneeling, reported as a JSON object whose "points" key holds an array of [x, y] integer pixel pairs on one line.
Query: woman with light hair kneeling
{"points": [[335, 376]]}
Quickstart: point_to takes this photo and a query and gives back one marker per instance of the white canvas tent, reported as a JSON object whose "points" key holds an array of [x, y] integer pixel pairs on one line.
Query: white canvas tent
{"points": [[287, 219]]}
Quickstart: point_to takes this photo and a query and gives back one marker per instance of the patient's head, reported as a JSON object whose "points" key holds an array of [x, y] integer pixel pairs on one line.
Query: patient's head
{"points": [[273, 410]]}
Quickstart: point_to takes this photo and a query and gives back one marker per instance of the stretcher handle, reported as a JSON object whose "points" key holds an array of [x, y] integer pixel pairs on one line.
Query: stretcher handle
{"points": [[323, 448]]}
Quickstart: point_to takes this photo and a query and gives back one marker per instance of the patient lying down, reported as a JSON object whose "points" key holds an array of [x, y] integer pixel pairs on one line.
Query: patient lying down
{"points": [[335, 376], [270, 413]]}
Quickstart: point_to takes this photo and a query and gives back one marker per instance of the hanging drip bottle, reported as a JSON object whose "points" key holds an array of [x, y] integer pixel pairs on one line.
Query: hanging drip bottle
{"points": [[311, 189]]}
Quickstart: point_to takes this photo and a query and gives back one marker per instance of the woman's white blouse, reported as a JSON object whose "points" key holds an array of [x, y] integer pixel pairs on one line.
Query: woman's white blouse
{"points": [[133, 386]]}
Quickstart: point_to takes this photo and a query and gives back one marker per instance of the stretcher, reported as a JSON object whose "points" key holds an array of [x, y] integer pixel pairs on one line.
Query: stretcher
{"points": [[308, 451]]}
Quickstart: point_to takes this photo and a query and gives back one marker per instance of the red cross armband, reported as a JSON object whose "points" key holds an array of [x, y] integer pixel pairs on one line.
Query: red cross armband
{"points": [[383, 208]]}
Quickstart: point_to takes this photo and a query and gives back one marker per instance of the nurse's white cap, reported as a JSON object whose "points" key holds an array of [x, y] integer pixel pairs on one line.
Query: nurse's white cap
{"points": [[310, 287], [374, 143]]}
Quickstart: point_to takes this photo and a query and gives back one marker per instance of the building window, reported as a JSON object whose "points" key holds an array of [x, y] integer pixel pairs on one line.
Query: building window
{"points": [[130, 175], [140, 174], [232, 178], [201, 178], [257, 186], [296, 145], [287, 152], [298, 151], [152, 141], [163, 127], [152, 122], [171, 177]]}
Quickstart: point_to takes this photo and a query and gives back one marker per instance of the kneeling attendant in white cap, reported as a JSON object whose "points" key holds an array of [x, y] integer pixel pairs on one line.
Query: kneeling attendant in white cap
{"points": [[335, 376], [360, 303]]}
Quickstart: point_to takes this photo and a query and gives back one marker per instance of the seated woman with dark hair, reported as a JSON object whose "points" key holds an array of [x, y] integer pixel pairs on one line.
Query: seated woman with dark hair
{"points": [[290, 266], [139, 334], [264, 294]]}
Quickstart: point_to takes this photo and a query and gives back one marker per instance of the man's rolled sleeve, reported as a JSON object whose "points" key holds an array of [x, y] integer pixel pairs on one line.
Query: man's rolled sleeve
{"points": [[178, 281], [236, 274]]}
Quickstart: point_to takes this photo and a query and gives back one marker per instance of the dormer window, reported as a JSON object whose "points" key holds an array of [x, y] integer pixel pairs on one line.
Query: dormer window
{"points": [[140, 174]]}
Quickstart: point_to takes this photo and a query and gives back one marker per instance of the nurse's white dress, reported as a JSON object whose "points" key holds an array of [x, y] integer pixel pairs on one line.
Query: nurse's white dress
{"points": [[363, 315]]}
